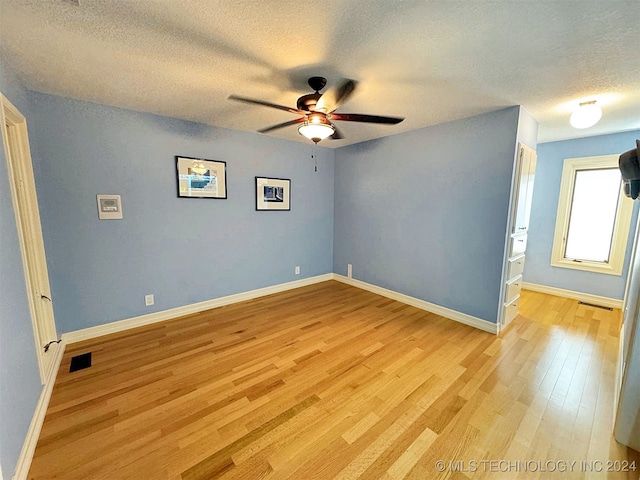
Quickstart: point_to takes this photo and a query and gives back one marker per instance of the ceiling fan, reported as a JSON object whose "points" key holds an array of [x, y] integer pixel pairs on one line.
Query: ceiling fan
{"points": [[318, 110]]}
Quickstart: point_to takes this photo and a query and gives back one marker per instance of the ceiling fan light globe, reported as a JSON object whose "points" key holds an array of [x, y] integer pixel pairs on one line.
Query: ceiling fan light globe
{"points": [[316, 131], [586, 115]]}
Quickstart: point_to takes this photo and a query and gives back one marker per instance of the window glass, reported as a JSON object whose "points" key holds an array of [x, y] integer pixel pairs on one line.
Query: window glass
{"points": [[593, 214]]}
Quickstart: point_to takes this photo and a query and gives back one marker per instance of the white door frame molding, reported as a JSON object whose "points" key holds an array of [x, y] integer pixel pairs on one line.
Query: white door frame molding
{"points": [[25, 206]]}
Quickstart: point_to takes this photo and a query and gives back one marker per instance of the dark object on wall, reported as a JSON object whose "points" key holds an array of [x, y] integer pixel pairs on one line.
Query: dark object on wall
{"points": [[630, 169]]}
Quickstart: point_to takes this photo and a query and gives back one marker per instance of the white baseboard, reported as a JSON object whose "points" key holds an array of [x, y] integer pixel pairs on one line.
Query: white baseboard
{"points": [[416, 302], [31, 440], [142, 320], [583, 297]]}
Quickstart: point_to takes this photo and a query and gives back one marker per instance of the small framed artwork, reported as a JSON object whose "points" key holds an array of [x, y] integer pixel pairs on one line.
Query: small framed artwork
{"points": [[109, 207], [273, 193], [199, 178]]}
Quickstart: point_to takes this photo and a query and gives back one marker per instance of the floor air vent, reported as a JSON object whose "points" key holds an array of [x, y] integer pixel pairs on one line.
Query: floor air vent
{"points": [[596, 306], [80, 362]]}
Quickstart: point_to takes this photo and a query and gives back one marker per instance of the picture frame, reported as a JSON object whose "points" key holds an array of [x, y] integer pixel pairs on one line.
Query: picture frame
{"points": [[109, 207], [273, 194], [200, 178]]}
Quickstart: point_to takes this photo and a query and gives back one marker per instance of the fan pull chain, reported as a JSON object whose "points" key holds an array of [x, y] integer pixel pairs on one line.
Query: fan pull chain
{"points": [[313, 156]]}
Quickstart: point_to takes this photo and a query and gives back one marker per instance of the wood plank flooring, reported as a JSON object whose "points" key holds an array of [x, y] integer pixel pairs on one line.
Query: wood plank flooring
{"points": [[330, 381]]}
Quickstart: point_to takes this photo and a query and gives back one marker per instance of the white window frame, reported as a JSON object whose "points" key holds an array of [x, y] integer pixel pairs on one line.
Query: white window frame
{"points": [[620, 229]]}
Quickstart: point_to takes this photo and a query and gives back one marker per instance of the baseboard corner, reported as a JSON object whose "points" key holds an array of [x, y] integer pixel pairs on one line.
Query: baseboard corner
{"points": [[580, 296], [454, 315]]}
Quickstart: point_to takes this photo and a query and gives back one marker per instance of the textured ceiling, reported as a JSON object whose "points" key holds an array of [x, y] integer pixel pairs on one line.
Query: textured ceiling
{"points": [[429, 62]]}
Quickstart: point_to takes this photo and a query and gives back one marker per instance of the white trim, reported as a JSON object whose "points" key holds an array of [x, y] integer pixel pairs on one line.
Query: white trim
{"points": [[148, 319], [15, 138], [584, 297], [619, 374], [31, 440], [621, 225], [421, 304], [514, 194], [151, 318]]}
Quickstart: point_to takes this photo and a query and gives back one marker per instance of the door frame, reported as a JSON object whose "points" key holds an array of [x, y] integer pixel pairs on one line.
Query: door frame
{"points": [[15, 140]]}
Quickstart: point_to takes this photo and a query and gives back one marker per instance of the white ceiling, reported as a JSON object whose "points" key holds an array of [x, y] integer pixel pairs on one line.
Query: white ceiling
{"points": [[427, 61]]}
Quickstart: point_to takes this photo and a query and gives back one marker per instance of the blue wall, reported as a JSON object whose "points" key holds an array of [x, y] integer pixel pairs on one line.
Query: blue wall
{"points": [[544, 207], [20, 385], [424, 213], [182, 250]]}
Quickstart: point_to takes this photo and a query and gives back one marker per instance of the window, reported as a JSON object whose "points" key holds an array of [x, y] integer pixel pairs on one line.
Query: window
{"points": [[594, 216]]}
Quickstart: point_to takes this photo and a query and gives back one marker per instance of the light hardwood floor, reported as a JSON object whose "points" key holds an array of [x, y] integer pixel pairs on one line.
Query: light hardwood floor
{"points": [[330, 381]]}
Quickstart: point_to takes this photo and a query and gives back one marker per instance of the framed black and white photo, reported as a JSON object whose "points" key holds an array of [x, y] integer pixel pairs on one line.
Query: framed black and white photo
{"points": [[199, 178], [273, 193]]}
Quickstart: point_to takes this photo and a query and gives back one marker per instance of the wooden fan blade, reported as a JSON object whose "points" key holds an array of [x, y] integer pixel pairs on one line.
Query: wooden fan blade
{"points": [[266, 104], [336, 96], [282, 125], [357, 117]]}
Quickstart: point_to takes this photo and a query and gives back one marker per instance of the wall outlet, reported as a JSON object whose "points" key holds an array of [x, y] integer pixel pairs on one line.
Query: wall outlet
{"points": [[148, 300], [349, 270], [297, 270]]}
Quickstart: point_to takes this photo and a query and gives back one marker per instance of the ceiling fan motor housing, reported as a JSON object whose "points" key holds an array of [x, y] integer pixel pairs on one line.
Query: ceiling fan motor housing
{"points": [[308, 102]]}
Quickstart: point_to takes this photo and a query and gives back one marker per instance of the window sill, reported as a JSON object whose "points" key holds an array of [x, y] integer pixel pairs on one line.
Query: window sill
{"points": [[595, 267]]}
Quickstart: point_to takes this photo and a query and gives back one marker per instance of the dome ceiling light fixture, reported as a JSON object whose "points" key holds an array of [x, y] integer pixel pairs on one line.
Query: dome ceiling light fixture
{"points": [[316, 127], [586, 115]]}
